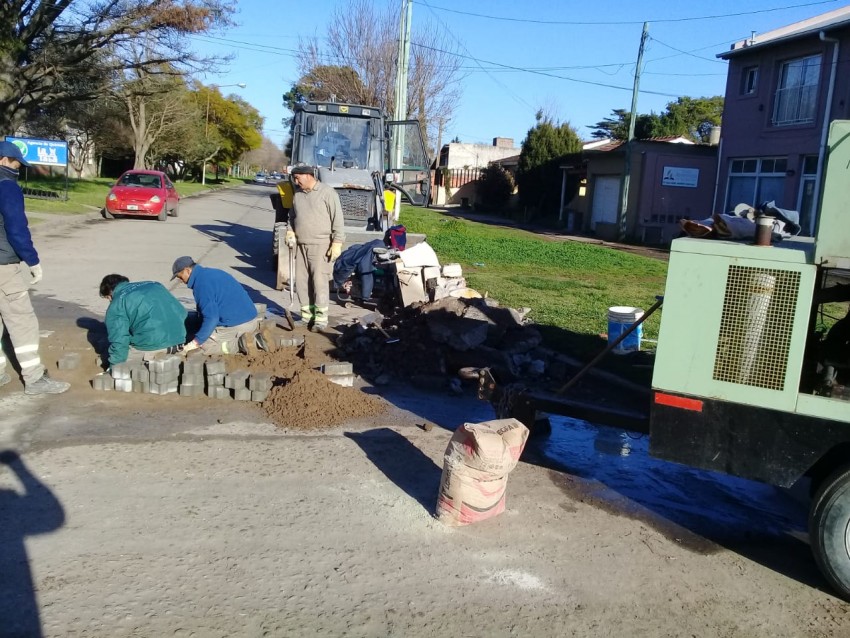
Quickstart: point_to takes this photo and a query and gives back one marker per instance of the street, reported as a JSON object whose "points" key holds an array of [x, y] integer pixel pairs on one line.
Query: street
{"points": [[143, 515]]}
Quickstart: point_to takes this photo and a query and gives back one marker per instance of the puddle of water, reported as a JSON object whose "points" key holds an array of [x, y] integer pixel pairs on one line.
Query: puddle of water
{"points": [[696, 508]]}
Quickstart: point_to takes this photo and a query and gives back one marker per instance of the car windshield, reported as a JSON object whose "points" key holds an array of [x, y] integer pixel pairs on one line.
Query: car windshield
{"points": [[139, 179]]}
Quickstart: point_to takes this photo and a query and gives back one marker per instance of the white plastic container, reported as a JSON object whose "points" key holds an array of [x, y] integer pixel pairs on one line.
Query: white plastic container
{"points": [[619, 320]]}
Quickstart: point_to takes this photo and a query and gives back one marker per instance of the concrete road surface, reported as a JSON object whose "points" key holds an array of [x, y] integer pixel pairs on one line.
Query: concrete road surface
{"points": [[139, 515]]}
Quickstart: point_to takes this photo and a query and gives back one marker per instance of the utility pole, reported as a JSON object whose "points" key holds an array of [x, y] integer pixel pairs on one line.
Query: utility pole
{"points": [[627, 164], [402, 67]]}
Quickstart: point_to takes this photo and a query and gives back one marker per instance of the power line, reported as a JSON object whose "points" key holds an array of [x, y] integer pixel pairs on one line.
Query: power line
{"points": [[622, 22]]}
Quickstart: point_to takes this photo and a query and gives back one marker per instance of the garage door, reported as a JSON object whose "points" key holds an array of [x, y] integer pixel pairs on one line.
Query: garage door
{"points": [[606, 200]]}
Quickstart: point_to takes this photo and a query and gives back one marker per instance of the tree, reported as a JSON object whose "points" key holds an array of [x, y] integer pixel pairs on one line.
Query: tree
{"points": [[616, 127], [364, 39], [686, 116], [692, 117], [538, 172], [47, 41], [323, 83], [494, 187]]}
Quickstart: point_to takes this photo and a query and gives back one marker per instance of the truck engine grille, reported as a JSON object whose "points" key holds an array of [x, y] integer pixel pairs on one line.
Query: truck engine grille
{"points": [[756, 326], [357, 205]]}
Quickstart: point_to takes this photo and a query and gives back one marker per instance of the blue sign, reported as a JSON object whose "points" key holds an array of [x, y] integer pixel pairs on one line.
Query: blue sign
{"points": [[42, 152]]}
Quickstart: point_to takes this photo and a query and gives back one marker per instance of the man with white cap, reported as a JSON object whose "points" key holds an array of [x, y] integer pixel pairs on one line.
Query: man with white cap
{"points": [[20, 267]]}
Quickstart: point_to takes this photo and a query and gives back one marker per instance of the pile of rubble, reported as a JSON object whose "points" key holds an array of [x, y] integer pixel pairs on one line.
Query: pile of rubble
{"points": [[429, 343]]}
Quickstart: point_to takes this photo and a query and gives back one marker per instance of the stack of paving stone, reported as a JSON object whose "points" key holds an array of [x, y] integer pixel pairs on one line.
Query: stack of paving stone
{"points": [[168, 374], [247, 386]]}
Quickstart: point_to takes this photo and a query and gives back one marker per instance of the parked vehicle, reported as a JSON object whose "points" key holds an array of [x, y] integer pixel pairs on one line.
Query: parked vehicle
{"points": [[141, 193], [260, 178], [746, 380]]}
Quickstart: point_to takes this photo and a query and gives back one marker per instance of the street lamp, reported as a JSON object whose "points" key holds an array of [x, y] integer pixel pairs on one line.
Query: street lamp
{"points": [[212, 87]]}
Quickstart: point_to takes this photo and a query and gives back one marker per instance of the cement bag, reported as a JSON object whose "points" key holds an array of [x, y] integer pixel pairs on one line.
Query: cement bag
{"points": [[486, 450], [463, 500]]}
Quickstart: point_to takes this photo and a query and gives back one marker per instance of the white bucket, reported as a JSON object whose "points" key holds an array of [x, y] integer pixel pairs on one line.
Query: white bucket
{"points": [[619, 320]]}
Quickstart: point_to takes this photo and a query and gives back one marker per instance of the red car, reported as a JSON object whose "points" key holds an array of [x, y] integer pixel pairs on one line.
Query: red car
{"points": [[143, 194]]}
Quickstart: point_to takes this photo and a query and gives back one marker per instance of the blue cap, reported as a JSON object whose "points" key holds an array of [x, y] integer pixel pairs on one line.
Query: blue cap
{"points": [[181, 263], [12, 151]]}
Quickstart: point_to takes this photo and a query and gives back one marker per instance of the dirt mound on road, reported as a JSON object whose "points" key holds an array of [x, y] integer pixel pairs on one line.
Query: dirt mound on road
{"points": [[308, 401]]}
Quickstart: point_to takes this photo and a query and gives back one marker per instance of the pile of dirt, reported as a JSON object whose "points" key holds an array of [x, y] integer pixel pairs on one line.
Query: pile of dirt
{"points": [[303, 398], [308, 401]]}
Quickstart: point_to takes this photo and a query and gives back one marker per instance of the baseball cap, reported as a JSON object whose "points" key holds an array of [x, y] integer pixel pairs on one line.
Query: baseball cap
{"points": [[10, 150], [302, 169], [179, 264]]}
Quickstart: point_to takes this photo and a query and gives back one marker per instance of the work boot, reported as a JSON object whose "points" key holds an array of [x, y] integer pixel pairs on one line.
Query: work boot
{"points": [[46, 385], [266, 339], [322, 328], [4, 379], [248, 343]]}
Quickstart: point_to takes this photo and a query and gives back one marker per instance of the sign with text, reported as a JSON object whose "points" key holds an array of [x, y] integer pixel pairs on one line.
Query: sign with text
{"points": [[678, 176], [42, 152]]}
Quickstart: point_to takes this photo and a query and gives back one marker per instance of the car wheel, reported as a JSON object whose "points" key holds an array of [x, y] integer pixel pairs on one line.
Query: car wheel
{"points": [[829, 530], [175, 212], [106, 214], [163, 216]]}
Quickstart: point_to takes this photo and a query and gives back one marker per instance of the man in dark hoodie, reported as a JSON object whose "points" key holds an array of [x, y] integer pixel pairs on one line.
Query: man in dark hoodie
{"points": [[19, 268]]}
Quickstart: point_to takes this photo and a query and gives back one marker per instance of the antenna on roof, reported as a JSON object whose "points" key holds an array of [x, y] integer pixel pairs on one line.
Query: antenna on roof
{"points": [[752, 38]]}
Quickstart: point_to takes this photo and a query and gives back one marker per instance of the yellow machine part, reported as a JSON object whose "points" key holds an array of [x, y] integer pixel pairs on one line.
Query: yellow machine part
{"points": [[286, 190], [389, 200]]}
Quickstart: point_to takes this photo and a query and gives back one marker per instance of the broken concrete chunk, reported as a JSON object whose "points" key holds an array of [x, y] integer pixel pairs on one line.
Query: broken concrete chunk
{"points": [[340, 367]]}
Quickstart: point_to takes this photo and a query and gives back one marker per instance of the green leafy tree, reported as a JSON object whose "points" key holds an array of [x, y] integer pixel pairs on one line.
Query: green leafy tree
{"points": [[45, 42], [690, 117], [538, 173], [616, 127], [323, 82], [494, 187]]}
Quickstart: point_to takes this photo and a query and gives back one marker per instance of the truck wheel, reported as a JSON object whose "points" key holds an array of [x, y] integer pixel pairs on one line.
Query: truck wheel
{"points": [[829, 530]]}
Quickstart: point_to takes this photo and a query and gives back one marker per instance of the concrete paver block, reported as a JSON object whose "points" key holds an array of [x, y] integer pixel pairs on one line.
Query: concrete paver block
{"points": [[215, 379], [345, 380], [103, 381], [340, 367], [218, 392], [260, 382], [121, 371], [165, 377], [259, 396], [242, 394], [193, 367], [140, 373], [237, 380], [215, 366], [168, 387], [141, 387], [123, 385]]}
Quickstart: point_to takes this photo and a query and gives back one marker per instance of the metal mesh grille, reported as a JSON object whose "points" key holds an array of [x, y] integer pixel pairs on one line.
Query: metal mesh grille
{"points": [[356, 204], [756, 325]]}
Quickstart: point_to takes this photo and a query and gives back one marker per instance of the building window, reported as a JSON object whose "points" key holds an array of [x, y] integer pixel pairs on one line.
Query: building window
{"points": [[806, 204], [796, 96], [756, 180], [750, 80]]}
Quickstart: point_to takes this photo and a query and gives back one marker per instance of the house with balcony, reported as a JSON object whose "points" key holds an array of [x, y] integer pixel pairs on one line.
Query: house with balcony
{"points": [[783, 89]]}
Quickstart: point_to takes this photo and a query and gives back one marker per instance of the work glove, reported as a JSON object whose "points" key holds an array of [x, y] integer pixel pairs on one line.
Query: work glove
{"points": [[36, 273], [192, 345], [334, 251], [290, 238]]}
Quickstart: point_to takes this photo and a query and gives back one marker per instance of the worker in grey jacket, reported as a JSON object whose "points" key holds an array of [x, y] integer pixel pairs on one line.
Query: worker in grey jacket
{"points": [[20, 267], [316, 230]]}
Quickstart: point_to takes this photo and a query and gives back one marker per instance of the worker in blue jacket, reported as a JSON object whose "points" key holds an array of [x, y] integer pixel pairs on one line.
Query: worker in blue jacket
{"points": [[142, 315], [20, 268], [357, 259], [229, 322]]}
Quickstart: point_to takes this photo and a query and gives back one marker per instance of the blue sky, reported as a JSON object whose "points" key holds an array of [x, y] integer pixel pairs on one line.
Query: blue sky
{"points": [[513, 51]]}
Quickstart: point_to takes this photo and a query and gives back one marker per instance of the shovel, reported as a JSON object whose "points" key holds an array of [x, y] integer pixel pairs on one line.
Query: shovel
{"points": [[373, 320]]}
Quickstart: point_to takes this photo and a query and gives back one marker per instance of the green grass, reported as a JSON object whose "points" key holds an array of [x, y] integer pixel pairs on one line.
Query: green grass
{"points": [[89, 195], [569, 285]]}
